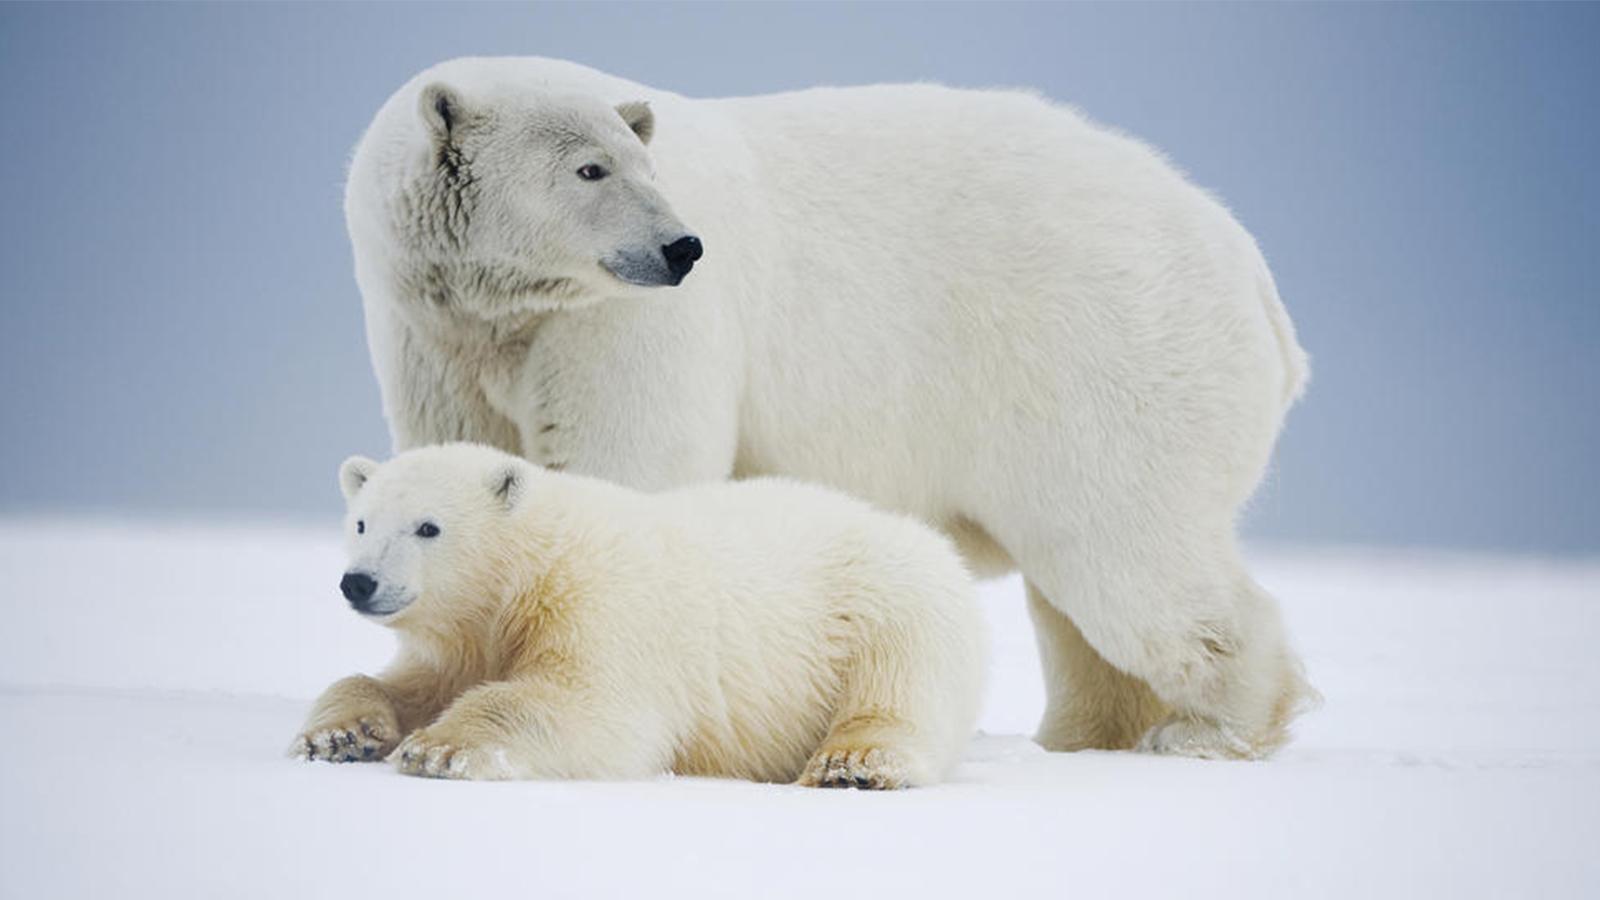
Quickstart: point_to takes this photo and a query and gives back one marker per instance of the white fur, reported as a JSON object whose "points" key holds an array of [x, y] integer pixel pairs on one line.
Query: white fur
{"points": [[975, 307], [570, 627]]}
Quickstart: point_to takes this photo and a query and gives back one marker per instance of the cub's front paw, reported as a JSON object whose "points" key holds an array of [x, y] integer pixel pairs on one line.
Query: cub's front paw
{"points": [[361, 739], [431, 754]]}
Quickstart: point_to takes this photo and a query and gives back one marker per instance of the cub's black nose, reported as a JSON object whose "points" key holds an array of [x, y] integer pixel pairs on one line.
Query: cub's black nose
{"points": [[357, 588], [681, 255]]}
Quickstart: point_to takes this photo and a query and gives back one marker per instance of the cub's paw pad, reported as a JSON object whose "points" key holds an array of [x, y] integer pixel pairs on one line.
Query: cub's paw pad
{"points": [[429, 757], [865, 768], [362, 740], [1179, 736]]}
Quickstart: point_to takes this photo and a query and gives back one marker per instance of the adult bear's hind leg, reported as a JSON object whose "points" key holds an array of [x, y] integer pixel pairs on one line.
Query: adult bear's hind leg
{"points": [[1090, 704], [1175, 609], [1256, 686]]}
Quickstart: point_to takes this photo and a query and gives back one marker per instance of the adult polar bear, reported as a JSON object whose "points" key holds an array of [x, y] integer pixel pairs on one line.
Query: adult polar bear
{"points": [[972, 306]]}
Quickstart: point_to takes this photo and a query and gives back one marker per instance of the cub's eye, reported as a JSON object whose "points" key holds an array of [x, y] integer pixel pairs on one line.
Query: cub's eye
{"points": [[427, 530], [361, 526], [592, 172]]}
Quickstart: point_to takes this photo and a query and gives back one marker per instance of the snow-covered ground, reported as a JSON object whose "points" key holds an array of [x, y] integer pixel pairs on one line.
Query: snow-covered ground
{"points": [[151, 676]]}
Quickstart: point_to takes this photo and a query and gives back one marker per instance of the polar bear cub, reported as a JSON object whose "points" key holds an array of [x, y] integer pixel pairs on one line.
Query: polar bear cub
{"points": [[556, 626]]}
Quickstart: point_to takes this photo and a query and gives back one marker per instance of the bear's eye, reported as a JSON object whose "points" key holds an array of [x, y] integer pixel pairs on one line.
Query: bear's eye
{"points": [[592, 172], [427, 530], [361, 526]]}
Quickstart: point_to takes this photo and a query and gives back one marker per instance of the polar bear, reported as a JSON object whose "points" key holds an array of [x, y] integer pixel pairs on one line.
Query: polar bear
{"points": [[974, 307], [557, 626]]}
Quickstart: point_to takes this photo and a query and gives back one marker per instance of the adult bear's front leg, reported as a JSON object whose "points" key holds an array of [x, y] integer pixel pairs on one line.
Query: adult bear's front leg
{"points": [[432, 390], [643, 393]]}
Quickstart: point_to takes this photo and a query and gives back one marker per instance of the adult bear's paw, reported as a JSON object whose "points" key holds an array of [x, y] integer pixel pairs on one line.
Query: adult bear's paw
{"points": [[1184, 736]]}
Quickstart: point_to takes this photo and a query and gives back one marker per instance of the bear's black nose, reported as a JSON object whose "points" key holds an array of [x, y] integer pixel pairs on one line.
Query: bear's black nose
{"points": [[681, 255], [357, 587]]}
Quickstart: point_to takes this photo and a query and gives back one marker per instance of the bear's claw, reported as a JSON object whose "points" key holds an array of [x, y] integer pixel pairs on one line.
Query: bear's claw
{"points": [[430, 757], [867, 768], [359, 741]]}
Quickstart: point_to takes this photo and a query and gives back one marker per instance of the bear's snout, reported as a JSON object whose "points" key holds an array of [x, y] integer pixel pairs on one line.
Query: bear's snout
{"points": [[358, 588], [681, 255]]}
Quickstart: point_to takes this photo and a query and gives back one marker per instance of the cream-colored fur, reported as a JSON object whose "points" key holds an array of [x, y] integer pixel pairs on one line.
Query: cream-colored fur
{"points": [[564, 627], [975, 307]]}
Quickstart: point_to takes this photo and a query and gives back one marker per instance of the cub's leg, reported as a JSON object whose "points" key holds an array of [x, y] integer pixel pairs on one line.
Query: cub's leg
{"points": [[909, 696], [867, 751], [1091, 705], [534, 728], [361, 718]]}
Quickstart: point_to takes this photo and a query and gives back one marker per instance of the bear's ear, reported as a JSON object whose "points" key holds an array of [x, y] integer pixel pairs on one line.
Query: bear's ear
{"points": [[506, 484], [442, 110], [353, 473], [639, 118]]}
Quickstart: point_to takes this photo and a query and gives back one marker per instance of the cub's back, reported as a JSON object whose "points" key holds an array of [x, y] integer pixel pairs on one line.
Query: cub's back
{"points": [[802, 530]]}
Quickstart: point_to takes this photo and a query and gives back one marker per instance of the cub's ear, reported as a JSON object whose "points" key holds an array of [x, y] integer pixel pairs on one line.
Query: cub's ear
{"points": [[639, 118], [353, 473], [442, 110], [507, 483]]}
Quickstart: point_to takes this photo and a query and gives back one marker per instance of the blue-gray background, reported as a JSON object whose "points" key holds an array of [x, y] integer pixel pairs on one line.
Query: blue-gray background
{"points": [[181, 332]]}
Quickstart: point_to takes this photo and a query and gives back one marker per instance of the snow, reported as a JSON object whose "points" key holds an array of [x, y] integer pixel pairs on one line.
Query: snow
{"points": [[151, 676]]}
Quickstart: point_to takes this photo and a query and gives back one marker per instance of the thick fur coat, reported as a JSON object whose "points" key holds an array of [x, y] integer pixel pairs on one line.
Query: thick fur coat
{"points": [[975, 307], [556, 626]]}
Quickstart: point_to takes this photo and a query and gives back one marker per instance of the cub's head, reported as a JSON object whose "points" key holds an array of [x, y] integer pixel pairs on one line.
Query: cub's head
{"points": [[529, 200], [422, 529]]}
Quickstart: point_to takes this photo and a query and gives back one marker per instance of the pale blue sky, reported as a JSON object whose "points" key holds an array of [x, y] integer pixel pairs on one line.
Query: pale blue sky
{"points": [[182, 333]]}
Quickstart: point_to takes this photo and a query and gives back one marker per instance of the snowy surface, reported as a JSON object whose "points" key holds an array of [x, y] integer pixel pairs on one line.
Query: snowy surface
{"points": [[151, 675]]}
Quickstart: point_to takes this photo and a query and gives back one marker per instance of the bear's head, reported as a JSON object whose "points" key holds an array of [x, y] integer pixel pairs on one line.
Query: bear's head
{"points": [[528, 200], [422, 528]]}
